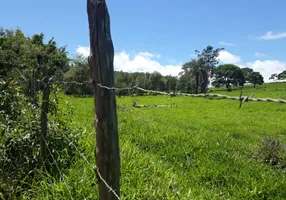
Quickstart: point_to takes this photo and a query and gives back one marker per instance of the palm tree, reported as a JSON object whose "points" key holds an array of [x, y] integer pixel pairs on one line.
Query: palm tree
{"points": [[197, 69]]}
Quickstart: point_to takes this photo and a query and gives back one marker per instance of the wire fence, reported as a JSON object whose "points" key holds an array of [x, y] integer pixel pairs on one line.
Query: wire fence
{"points": [[51, 122], [171, 94], [54, 161], [132, 90]]}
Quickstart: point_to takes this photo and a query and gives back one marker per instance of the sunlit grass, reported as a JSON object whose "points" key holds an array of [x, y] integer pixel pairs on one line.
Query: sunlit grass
{"points": [[200, 148]]}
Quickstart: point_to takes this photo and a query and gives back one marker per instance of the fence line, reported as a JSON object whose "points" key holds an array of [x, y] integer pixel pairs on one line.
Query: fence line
{"points": [[246, 98], [177, 94]]}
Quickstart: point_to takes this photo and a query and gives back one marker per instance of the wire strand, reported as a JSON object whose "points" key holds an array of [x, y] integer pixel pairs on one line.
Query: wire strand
{"points": [[61, 174], [175, 94], [86, 160]]}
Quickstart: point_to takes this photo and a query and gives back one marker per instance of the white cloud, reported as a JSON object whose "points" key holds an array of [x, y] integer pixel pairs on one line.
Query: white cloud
{"points": [[84, 51], [226, 57], [260, 55], [140, 62], [226, 44], [270, 36], [267, 67], [147, 54], [143, 62]]}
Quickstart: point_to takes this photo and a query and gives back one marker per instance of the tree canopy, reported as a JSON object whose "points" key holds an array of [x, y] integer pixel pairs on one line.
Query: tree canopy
{"points": [[198, 70], [282, 75], [256, 78], [201, 69], [228, 74]]}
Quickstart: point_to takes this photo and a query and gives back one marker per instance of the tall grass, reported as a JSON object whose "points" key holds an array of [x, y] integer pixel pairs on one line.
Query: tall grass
{"points": [[200, 148]]}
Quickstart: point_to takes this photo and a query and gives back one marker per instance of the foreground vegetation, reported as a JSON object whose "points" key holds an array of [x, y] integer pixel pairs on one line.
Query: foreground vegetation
{"points": [[201, 148]]}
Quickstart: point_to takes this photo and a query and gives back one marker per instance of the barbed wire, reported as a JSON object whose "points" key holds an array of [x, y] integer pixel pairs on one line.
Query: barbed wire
{"points": [[54, 160], [161, 92], [69, 82], [86, 160], [199, 95], [177, 94], [114, 88]]}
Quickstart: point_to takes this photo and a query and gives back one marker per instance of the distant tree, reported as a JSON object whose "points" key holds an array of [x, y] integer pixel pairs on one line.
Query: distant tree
{"points": [[122, 79], [282, 75], [273, 76], [256, 78], [228, 74], [246, 72], [186, 84], [209, 56], [171, 83], [196, 69], [155, 82], [79, 72]]}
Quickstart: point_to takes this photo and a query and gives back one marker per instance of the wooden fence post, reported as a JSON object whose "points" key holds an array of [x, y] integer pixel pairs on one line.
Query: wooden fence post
{"points": [[44, 113], [102, 69]]}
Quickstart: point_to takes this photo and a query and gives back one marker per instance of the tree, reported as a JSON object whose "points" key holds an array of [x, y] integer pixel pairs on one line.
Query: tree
{"points": [[186, 84], [246, 72], [79, 72], [273, 76], [196, 69], [170, 83], [23, 59], [209, 58], [282, 75], [256, 78], [27, 68], [156, 82], [228, 74]]}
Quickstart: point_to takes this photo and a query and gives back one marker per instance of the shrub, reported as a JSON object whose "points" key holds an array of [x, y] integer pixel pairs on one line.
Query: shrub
{"points": [[20, 158]]}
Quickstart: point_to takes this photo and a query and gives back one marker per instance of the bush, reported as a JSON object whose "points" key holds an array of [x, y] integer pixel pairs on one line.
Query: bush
{"points": [[20, 158]]}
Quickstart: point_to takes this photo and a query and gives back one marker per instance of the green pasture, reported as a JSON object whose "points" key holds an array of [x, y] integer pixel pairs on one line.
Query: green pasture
{"points": [[200, 148]]}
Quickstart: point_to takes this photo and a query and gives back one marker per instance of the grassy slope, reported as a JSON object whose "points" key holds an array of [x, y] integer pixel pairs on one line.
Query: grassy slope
{"points": [[201, 149], [270, 90]]}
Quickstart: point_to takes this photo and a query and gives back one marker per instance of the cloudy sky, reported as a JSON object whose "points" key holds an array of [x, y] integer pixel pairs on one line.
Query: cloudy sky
{"points": [[161, 35]]}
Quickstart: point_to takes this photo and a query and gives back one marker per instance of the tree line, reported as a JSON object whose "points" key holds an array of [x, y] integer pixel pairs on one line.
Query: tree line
{"points": [[195, 76], [23, 59]]}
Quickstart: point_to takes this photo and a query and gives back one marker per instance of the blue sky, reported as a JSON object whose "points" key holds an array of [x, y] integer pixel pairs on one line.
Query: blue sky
{"points": [[161, 35]]}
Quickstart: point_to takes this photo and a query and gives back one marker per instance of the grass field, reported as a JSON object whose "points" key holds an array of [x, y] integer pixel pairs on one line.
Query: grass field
{"points": [[200, 148], [270, 90]]}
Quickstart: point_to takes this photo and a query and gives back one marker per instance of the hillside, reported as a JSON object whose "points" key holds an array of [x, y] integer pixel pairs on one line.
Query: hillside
{"points": [[267, 90]]}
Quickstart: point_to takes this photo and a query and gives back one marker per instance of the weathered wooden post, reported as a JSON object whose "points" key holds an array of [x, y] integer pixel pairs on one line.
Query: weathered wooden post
{"points": [[101, 65], [44, 113]]}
